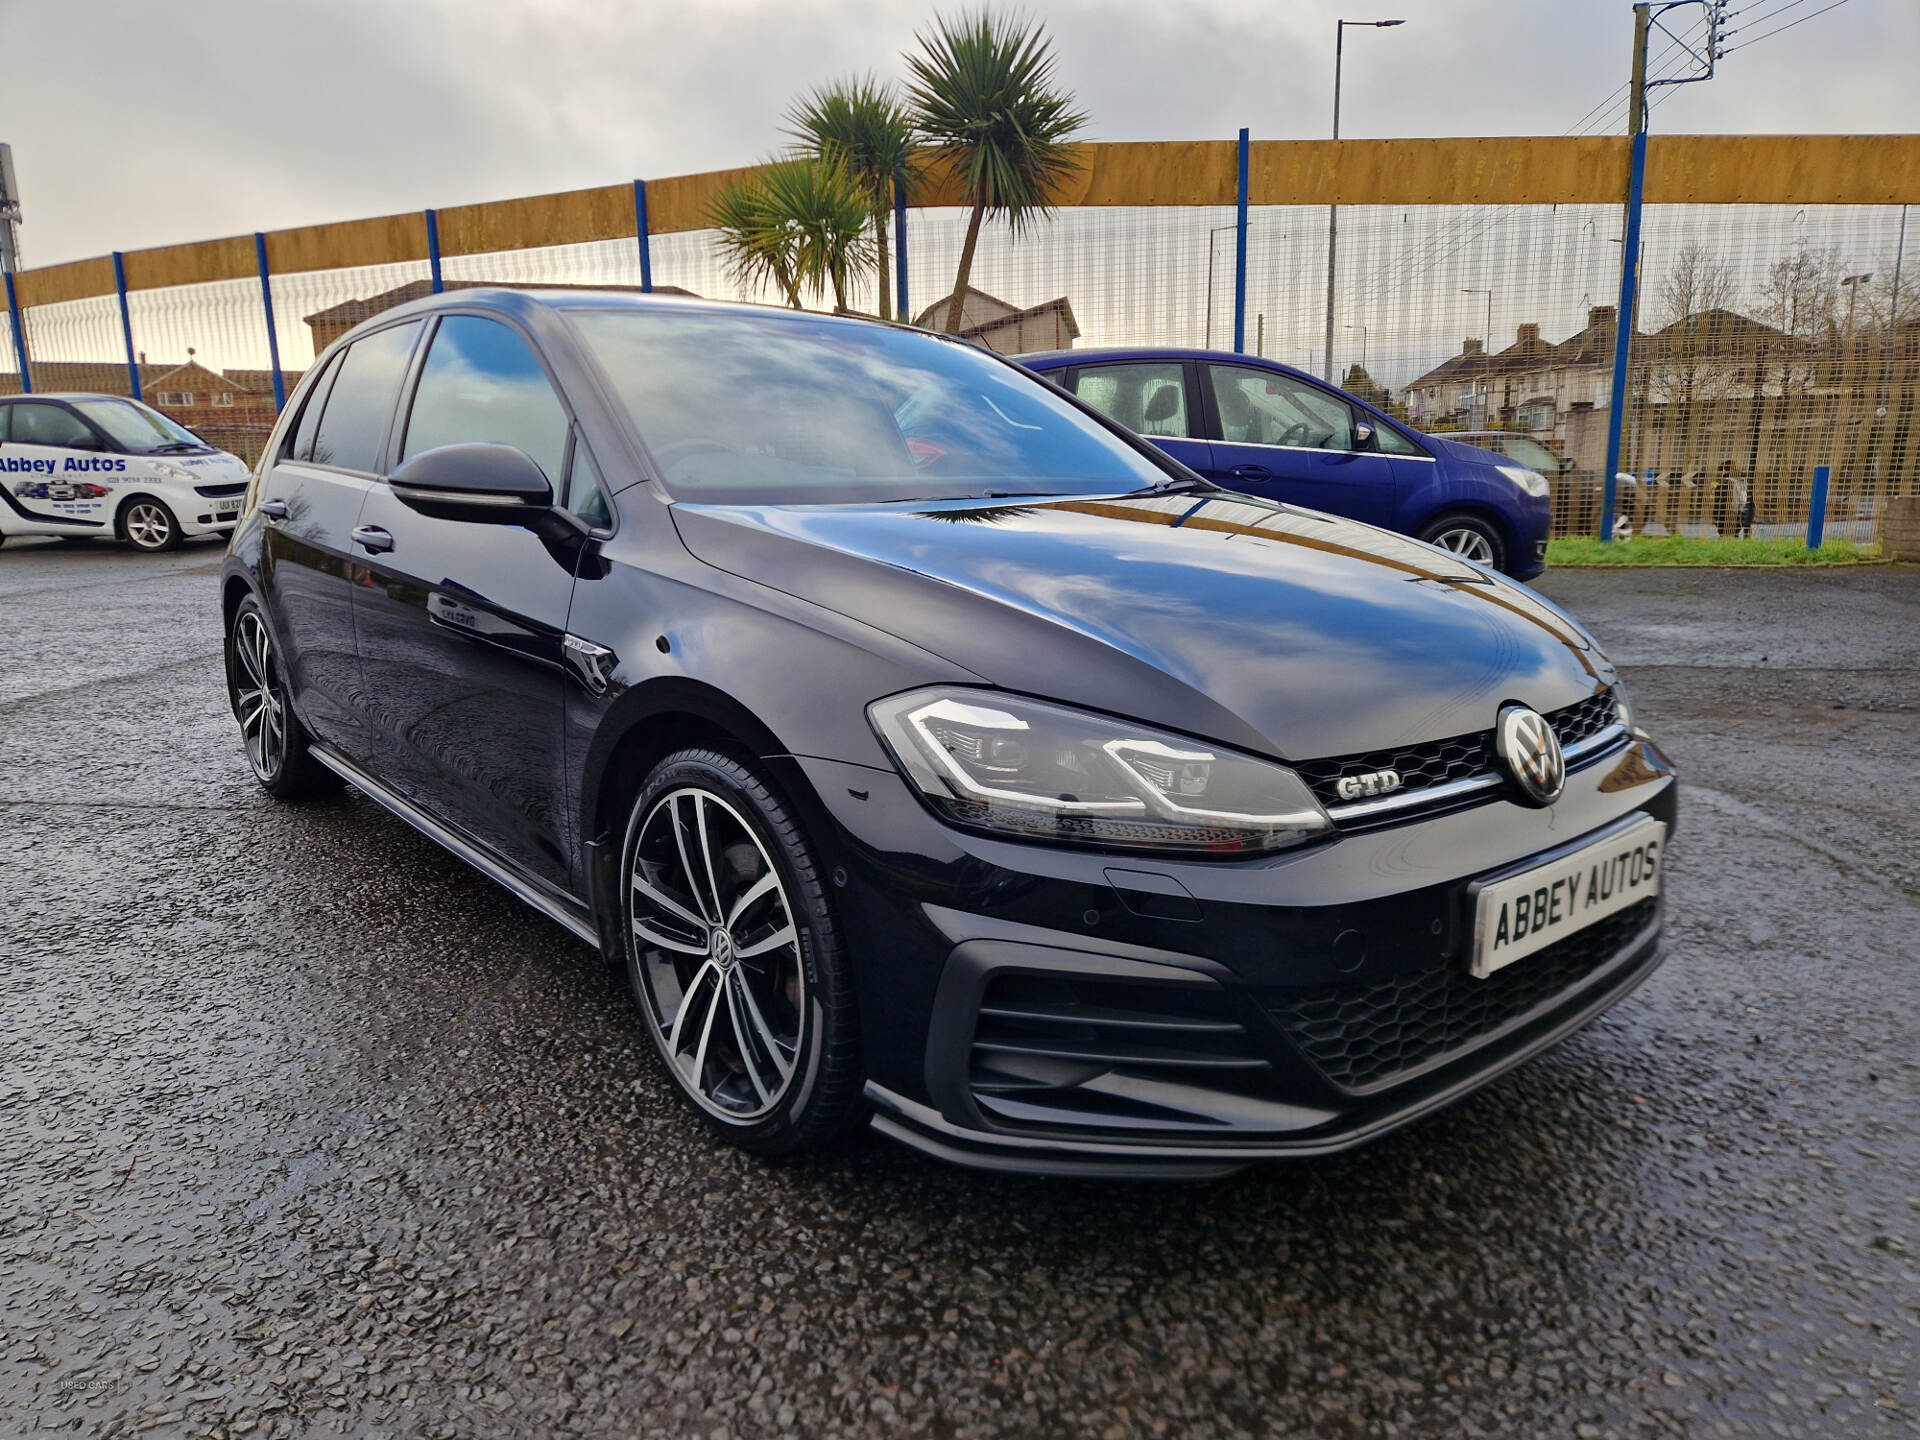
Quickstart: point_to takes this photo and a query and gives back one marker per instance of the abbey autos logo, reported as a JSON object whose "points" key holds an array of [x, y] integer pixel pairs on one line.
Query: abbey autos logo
{"points": [[71, 465]]}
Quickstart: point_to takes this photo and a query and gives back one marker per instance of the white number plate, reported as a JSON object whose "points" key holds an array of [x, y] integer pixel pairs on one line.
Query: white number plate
{"points": [[226, 507], [1527, 912]]}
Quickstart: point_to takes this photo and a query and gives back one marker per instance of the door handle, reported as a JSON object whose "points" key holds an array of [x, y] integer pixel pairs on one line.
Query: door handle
{"points": [[1251, 472], [372, 537], [274, 509]]}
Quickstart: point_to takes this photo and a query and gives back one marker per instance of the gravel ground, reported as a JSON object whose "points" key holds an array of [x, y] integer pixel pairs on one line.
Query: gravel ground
{"points": [[308, 1129]]}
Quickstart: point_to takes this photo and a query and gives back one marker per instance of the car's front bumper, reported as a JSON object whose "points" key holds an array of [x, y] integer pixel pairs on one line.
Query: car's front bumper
{"points": [[1053, 1011]]}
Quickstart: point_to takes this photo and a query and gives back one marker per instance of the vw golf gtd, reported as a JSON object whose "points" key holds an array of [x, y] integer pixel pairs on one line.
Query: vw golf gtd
{"points": [[928, 747]]}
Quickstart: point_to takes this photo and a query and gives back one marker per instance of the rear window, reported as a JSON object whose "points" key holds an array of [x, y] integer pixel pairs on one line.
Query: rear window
{"points": [[354, 424], [749, 409]]}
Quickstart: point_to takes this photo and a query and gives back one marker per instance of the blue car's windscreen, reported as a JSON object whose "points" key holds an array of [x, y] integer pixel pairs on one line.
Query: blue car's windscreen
{"points": [[778, 409]]}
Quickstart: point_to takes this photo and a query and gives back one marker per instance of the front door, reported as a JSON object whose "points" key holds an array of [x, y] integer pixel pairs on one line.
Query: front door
{"points": [[1281, 437], [53, 481], [1153, 398], [310, 500], [461, 624]]}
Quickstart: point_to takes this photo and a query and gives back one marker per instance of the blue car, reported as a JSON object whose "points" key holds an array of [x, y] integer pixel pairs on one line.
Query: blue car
{"points": [[1267, 429]]}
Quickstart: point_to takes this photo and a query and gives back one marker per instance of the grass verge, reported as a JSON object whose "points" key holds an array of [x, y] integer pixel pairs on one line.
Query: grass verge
{"points": [[1578, 550]]}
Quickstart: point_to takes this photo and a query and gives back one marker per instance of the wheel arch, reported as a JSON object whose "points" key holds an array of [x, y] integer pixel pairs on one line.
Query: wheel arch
{"points": [[1472, 509], [643, 727]]}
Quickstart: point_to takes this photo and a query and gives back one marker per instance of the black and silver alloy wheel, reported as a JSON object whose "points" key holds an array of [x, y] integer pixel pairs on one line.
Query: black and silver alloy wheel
{"points": [[275, 740], [259, 699], [733, 957], [149, 525]]}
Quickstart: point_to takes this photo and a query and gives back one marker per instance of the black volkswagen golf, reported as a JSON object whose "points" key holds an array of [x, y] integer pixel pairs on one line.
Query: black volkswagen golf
{"points": [[929, 749]]}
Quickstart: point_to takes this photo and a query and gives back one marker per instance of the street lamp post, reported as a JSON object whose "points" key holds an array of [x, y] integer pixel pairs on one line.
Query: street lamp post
{"points": [[1217, 230], [1333, 211]]}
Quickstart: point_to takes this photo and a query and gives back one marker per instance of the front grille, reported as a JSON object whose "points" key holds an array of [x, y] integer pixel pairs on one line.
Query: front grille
{"points": [[1441, 762], [1066, 1051], [1365, 1035], [214, 492]]}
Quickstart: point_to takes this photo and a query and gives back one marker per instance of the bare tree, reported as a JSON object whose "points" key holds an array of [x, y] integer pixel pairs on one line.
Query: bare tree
{"points": [[1693, 357]]}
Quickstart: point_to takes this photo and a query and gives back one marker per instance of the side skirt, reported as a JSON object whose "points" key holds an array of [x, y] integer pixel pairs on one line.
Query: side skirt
{"points": [[562, 909]]}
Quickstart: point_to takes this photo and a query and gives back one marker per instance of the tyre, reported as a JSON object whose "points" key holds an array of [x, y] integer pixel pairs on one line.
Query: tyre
{"points": [[276, 742], [1469, 537], [734, 957], [149, 525]]}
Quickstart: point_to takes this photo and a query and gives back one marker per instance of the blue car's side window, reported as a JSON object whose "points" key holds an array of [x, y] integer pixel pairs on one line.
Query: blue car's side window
{"points": [[1148, 397], [1262, 407]]}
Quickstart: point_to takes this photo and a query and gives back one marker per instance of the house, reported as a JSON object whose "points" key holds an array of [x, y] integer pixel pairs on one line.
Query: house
{"points": [[1007, 328], [1446, 393]]}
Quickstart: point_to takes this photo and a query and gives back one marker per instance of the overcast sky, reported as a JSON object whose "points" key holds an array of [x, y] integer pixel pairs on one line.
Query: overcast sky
{"points": [[137, 123]]}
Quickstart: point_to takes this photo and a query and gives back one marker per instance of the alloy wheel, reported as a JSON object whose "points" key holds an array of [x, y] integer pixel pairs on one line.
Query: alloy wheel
{"points": [[259, 697], [1468, 544], [719, 954], [149, 526]]}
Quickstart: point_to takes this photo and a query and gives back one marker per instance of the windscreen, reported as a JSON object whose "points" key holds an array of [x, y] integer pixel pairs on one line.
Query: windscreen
{"points": [[748, 409], [136, 430]]}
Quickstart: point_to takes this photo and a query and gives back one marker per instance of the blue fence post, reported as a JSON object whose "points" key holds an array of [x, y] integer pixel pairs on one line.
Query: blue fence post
{"points": [[433, 250], [126, 326], [644, 235], [19, 336], [1240, 255], [900, 311], [1623, 333], [273, 337], [1817, 507]]}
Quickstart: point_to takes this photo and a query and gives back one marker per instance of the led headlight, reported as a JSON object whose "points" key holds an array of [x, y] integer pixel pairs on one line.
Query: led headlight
{"points": [[1036, 771], [1531, 481]]}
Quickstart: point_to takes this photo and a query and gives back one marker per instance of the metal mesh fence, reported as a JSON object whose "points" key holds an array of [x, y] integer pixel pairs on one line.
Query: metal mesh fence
{"points": [[1767, 340]]}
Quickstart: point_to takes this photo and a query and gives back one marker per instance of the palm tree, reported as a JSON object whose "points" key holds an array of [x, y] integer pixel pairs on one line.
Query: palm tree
{"points": [[983, 98], [860, 125], [798, 225], [759, 243], [828, 213]]}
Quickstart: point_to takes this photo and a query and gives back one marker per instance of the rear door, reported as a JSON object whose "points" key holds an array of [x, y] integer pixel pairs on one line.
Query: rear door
{"points": [[1284, 438], [461, 624], [54, 480], [311, 499], [1152, 398]]}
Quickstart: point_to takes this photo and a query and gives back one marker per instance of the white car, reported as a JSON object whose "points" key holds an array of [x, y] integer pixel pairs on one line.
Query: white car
{"points": [[87, 466]]}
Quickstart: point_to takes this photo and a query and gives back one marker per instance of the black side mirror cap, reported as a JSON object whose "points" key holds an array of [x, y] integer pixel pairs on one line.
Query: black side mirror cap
{"points": [[487, 484]]}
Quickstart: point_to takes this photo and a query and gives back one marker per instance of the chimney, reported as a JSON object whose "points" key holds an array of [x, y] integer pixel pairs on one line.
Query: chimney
{"points": [[1600, 315], [1529, 334], [1469, 347]]}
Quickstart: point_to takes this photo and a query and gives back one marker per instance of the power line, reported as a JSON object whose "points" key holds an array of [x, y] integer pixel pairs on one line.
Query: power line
{"points": [[1782, 29]]}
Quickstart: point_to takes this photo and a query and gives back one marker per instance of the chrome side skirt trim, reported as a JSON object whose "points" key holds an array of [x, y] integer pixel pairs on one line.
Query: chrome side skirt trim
{"points": [[567, 913], [1576, 755]]}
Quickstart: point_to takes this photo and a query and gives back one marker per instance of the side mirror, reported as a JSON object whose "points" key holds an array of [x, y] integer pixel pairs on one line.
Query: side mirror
{"points": [[1363, 436], [484, 483]]}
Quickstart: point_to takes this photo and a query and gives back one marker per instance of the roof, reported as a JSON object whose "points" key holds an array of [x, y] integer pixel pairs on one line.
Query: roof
{"points": [[352, 312], [1054, 359]]}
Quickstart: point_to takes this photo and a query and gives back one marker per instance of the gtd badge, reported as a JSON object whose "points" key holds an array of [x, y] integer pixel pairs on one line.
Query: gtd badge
{"points": [[1374, 782], [1531, 753]]}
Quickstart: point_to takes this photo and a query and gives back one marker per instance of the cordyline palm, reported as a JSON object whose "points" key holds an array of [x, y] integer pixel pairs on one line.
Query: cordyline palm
{"points": [[859, 125], [984, 100], [800, 225]]}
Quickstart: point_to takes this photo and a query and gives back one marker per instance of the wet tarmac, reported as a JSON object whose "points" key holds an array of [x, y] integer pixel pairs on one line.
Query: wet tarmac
{"points": [[306, 1129]]}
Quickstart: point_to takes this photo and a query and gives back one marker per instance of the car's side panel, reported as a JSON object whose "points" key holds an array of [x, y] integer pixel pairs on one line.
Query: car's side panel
{"points": [[460, 631], [1360, 485]]}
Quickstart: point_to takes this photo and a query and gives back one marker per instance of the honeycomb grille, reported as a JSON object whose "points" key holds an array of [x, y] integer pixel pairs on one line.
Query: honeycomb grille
{"points": [[1440, 762], [1362, 1036]]}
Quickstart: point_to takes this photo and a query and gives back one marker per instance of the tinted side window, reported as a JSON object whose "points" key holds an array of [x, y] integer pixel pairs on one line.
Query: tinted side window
{"points": [[302, 446], [1147, 398], [362, 399], [482, 382], [1263, 407], [47, 425]]}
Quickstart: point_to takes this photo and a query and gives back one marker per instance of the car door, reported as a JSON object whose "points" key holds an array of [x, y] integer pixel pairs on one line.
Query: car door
{"points": [[461, 624], [310, 500], [53, 478], [1280, 436], [1152, 398]]}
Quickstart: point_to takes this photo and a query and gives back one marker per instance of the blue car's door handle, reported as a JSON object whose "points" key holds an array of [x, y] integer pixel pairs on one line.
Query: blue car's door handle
{"points": [[1251, 472]]}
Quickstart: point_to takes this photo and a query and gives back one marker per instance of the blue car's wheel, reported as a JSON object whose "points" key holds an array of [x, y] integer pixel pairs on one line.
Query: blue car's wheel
{"points": [[1469, 537]]}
